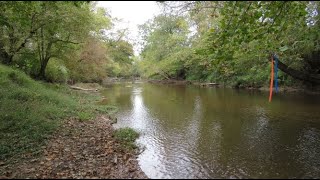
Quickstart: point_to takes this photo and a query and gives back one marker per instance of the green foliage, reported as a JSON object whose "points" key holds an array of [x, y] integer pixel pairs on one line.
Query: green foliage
{"points": [[120, 54], [165, 39], [120, 51], [30, 111], [57, 72], [27, 112], [89, 62], [231, 41], [84, 116], [127, 137], [34, 33], [27, 61], [256, 29]]}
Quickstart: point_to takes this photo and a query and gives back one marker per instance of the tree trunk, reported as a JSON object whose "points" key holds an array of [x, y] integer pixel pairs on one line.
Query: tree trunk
{"points": [[5, 58], [311, 78], [42, 72]]}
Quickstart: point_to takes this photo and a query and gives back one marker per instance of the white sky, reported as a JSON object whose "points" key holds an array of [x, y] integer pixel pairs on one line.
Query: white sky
{"points": [[133, 13]]}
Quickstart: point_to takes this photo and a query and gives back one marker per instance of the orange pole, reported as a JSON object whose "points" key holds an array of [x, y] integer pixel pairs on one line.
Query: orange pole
{"points": [[271, 81]]}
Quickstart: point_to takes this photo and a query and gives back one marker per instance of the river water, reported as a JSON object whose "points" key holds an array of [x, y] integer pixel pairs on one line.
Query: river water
{"points": [[196, 132]]}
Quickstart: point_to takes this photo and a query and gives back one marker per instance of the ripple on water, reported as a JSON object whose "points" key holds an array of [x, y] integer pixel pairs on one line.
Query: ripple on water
{"points": [[219, 133]]}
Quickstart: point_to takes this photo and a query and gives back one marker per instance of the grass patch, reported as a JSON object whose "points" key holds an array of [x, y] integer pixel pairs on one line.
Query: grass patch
{"points": [[30, 111], [127, 137], [83, 116]]}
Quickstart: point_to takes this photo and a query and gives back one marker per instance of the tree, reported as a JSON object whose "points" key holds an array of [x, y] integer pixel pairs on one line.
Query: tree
{"points": [[19, 22], [164, 44], [88, 60], [69, 24], [88, 64], [237, 34], [43, 26]]}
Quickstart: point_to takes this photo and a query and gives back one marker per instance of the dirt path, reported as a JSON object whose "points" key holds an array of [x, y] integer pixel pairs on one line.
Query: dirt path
{"points": [[80, 150]]}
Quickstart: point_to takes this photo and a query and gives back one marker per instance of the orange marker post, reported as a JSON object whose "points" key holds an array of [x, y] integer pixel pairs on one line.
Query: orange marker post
{"points": [[271, 81]]}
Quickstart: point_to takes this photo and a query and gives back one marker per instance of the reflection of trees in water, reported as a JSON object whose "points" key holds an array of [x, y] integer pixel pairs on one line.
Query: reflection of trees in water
{"points": [[242, 140], [272, 136], [216, 134], [172, 104], [231, 133], [206, 120], [175, 107], [119, 95], [256, 138]]}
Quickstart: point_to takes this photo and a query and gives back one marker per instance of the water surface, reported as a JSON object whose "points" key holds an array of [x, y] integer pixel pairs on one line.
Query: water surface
{"points": [[196, 132]]}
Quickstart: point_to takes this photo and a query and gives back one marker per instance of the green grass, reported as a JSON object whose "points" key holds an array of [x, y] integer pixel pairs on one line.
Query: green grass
{"points": [[127, 137], [30, 111]]}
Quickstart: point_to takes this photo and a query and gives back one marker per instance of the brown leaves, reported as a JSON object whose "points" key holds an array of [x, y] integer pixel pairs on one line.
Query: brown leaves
{"points": [[88, 150], [2, 163]]}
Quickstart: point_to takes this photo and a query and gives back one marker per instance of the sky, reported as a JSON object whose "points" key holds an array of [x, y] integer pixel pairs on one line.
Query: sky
{"points": [[132, 13]]}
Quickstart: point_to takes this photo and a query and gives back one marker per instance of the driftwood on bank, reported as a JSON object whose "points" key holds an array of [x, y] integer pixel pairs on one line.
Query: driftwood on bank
{"points": [[209, 84], [170, 81], [79, 88]]}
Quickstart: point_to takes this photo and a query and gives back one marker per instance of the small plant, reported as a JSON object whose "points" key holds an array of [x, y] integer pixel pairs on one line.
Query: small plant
{"points": [[84, 116], [126, 136], [113, 119]]}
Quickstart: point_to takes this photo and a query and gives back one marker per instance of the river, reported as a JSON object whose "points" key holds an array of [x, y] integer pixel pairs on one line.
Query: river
{"points": [[199, 132]]}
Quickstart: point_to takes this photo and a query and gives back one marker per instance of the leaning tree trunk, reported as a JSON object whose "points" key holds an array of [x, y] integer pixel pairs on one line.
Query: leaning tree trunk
{"points": [[311, 78]]}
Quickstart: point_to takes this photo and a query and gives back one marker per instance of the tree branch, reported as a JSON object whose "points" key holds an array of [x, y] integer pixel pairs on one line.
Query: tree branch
{"points": [[312, 78], [66, 41], [234, 7]]}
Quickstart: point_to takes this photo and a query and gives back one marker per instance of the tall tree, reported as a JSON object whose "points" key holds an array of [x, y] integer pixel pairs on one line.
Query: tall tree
{"points": [[69, 24], [231, 35], [164, 45], [19, 22]]}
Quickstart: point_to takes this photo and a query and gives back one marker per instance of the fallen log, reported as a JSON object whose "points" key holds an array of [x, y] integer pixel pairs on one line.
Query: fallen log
{"points": [[209, 84], [79, 88]]}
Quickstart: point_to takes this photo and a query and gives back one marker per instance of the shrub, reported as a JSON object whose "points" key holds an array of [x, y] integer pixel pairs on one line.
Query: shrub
{"points": [[56, 72]]}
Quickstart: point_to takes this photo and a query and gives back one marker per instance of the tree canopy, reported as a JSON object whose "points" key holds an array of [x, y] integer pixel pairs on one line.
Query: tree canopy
{"points": [[231, 41], [60, 41], [228, 42]]}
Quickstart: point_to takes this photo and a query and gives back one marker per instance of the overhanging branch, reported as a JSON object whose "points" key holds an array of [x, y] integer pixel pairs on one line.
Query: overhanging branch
{"points": [[311, 78]]}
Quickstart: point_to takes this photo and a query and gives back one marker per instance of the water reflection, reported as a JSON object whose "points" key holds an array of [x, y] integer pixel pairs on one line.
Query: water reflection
{"points": [[192, 132]]}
